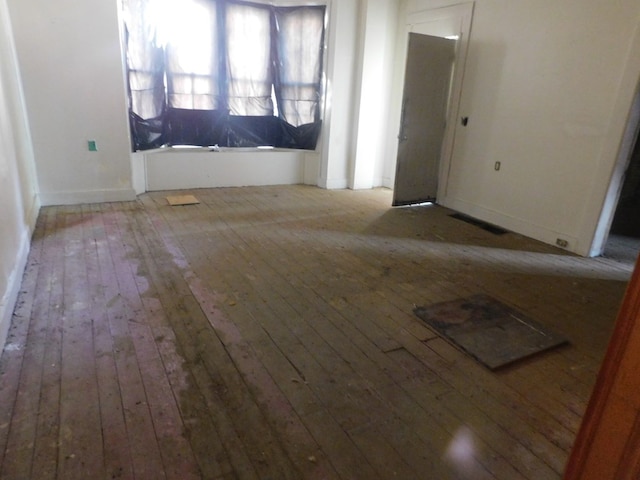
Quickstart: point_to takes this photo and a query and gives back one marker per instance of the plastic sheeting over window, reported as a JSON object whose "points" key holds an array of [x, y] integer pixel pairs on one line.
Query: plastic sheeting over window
{"points": [[192, 56], [300, 32], [225, 72]]}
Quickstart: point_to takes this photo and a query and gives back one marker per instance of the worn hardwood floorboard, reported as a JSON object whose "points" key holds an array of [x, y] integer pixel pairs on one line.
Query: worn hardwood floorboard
{"points": [[268, 332], [21, 382]]}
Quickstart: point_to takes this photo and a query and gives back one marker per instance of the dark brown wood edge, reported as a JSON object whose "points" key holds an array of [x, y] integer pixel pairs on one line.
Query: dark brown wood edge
{"points": [[627, 320]]}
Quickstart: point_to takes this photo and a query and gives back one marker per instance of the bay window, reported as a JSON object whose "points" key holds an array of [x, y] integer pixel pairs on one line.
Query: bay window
{"points": [[223, 72]]}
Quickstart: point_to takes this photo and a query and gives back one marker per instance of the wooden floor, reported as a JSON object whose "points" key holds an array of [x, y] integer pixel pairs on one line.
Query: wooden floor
{"points": [[268, 333]]}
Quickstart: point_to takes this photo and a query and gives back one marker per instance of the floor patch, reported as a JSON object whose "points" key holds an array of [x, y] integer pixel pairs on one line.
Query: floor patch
{"points": [[490, 331]]}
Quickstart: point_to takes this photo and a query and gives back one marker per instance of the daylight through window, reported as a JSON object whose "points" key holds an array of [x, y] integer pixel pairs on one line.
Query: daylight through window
{"points": [[224, 72]]}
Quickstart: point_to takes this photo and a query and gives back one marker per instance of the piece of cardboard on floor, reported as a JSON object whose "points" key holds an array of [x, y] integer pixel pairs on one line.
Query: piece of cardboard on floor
{"points": [[175, 200]]}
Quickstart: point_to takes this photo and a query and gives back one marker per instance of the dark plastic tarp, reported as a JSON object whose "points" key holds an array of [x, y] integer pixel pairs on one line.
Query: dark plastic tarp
{"points": [[212, 127]]}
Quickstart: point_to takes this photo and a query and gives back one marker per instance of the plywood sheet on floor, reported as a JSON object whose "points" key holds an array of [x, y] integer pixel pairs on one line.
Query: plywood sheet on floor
{"points": [[491, 332]]}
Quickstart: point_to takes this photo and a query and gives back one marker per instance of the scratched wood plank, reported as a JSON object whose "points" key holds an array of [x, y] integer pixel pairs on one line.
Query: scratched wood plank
{"points": [[80, 452], [178, 458], [191, 383], [260, 383], [202, 347], [19, 390], [286, 380], [353, 332], [122, 307], [268, 332], [45, 456], [117, 451], [206, 448], [360, 408]]}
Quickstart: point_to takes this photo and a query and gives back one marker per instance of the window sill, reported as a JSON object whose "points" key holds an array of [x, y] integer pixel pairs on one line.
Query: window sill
{"points": [[216, 149]]}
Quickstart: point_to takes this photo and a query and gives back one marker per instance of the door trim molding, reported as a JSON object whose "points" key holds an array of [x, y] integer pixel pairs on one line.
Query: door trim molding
{"points": [[416, 22]]}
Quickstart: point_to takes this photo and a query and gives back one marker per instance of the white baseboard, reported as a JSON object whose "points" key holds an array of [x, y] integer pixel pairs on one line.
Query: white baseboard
{"points": [[537, 232], [333, 184], [32, 214], [91, 196], [139, 172], [387, 182], [311, 168], [8, 302]]}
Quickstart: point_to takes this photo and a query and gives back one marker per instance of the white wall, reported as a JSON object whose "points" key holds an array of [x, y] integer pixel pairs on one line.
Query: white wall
{"points": [[548, 86], [378, 21], [75, 92], [70, 59], [336, 141], [447, 21], [17, 178], [181, 169]]}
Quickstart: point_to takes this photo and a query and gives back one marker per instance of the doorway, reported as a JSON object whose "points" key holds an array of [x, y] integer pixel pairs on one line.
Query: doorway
{"points": [[623, 233], [452, 26], [626, 217], [427, 85], [624, 236]]}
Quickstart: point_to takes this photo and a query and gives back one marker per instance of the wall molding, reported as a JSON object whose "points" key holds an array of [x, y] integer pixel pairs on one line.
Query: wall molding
{"points": [[517, 225], [86, 196], [10, 298], [334, 183]]}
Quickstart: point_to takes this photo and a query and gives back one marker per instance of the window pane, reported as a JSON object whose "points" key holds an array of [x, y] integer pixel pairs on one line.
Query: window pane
{"points": [[192, 54], [145, 63], [300, 44], [249, 60]]}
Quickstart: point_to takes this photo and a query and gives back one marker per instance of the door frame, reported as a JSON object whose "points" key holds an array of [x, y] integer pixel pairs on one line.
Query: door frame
{"points": [[423, 182], [630, 137], [441, 22]]}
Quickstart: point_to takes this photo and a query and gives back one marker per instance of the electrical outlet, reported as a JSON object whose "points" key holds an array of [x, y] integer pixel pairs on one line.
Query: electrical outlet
{"points": [[92, 145], [562, 243]]}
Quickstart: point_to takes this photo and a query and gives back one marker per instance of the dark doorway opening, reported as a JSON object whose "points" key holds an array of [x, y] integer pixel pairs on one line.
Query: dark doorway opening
{"points": [[626, 220], [624, 236]]}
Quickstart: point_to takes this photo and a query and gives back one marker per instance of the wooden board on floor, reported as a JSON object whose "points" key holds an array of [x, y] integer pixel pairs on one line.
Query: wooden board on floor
{"points": [[491, 332]]}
